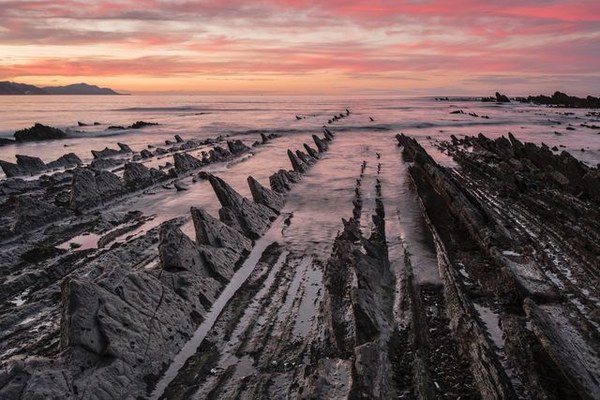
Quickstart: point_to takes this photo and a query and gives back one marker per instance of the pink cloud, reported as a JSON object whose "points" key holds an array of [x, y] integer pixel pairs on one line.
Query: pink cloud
{"points": [[349, 38]]}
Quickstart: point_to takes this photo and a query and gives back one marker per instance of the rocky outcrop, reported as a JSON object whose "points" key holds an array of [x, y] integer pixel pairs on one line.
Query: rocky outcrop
{"points": [[27, 165], [32, 212], [11, 169], [218, 154], [239, 213], [321, 145], [282, 180], [138, 176], [110, 185], [179, 253], [305, 158], [185, 162], [66, 161], [91, 189], [212, 232], [39, 132], [237, 146], [267, 197], [560, 99], [84, 190], [145, 153], [297, 164], [30, 164], [311, 152], [123, 149]]}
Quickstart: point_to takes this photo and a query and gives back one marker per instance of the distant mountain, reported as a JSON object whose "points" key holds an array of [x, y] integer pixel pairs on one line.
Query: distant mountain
{"points": [[78, 88], [19, 88], [13, 88]]}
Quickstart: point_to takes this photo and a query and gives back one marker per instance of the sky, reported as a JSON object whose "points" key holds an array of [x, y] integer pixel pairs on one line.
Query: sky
{"points": [[412, 47]]}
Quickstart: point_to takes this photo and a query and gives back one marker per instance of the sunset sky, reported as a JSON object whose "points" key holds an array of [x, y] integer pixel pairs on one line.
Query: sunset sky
{"points": [[406, 46]]}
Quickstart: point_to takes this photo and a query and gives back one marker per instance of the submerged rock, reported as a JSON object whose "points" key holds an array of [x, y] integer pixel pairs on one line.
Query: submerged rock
{"points": [[245, 216], [39, 132], [267, 197]]}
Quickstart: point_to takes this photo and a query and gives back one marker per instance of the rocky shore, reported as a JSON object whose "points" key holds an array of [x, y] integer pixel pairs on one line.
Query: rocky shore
{"points": [[472, 280]]}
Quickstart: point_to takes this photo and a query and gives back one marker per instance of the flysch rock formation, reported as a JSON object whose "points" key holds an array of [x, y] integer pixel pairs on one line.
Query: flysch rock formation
{"points": [[27, 165], [547, 322], [114, 340]]}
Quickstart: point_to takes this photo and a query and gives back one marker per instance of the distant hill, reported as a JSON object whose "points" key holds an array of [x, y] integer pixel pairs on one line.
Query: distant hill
{"points": [[13, 88], [19, 88]]}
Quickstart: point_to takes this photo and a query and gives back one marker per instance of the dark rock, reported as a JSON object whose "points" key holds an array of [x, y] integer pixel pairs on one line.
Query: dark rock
{"points": [[160, 151], [31, 165], [142, 124], [137, 176], [145, 154], [84, 190], [180, 186], [219, 154], [65, 161], [110, 185], [105, 163], [563, 100], [124, 148], [185, 162], [305, 158], [237, 146], [6, 142], [212, 232], [328, 134], [282, 180], [35, 212], [106, 152], [178, 139], [178, 252], [263, 138], [245, 216], [39, 132], [311, 152], [267, 197], [321, 145], [82, 123], [500, 98], [297, 164], [11, 169]]}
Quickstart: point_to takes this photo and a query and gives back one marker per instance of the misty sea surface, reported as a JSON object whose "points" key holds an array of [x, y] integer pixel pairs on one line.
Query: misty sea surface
{"points": [[204, 116]]}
